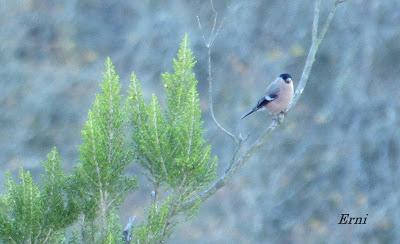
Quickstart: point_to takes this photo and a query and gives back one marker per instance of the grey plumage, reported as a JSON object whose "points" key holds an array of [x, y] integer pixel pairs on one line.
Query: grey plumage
{"points": [[273, 88]]}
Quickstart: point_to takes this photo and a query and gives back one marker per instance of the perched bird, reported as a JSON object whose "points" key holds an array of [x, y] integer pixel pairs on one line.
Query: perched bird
{"points": [[277, 97]]}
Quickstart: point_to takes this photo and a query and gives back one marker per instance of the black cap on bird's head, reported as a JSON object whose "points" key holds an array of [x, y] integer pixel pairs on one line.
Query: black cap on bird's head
{"points": [[286, 77]]}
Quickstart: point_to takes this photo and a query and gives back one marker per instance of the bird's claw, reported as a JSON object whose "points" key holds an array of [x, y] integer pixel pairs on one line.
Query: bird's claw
{"points": [[279, 117]]}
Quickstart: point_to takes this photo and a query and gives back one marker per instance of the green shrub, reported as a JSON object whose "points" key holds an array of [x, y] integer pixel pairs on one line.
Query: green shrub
{"points": [[82, 207]]}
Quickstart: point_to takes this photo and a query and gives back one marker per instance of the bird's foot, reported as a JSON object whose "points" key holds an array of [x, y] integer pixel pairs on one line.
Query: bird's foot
{"points": [[280, 117]]}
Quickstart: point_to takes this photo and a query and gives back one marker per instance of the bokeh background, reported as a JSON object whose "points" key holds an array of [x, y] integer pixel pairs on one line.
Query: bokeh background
{"points": [[337, 152]]}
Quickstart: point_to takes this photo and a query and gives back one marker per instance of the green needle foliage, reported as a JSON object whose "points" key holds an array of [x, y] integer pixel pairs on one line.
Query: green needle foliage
{"points": [[61, 209], [82, 207], [171, 145], [33, 215], [104, 157], [192, 164], [153, 230]]}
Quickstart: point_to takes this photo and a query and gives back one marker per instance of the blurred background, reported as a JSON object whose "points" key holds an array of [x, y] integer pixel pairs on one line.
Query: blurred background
{"points": [[338, 150]]}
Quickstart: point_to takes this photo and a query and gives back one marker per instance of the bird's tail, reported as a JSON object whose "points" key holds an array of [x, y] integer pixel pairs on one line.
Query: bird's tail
{"points": [[250, 112]]}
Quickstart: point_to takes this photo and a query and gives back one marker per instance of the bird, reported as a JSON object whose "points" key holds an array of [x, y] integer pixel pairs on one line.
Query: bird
{"points": [[278, 96]]}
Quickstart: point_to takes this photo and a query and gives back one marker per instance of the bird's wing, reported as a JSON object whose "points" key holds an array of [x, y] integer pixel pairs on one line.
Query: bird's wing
{"points": [[272, 89], [266, 99], [261, 103], [270, 95]]}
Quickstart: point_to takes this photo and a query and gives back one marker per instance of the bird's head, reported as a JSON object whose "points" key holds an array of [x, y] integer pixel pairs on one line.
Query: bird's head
{"points": [[286, 78]]}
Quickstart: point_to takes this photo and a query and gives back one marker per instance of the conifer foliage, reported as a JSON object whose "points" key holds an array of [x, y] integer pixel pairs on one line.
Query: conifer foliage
{"points": [[30, 214], [82, 207], [170, 144], [101, 183]]}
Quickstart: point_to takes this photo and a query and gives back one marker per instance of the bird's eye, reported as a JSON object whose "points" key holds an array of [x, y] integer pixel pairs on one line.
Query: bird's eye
{"points": [[288, 81]]}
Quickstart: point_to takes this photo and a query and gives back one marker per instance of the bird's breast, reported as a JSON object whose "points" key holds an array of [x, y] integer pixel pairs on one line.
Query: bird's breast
{"points": [[283, 100]]}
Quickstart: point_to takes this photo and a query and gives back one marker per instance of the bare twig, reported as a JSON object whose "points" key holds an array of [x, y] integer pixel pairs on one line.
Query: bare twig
{"points": [[209, 42], [128, 229], [215, 19], [211, 103], [237, 163], [154, 192], [47, 236], [154, 196], [316, 41]]}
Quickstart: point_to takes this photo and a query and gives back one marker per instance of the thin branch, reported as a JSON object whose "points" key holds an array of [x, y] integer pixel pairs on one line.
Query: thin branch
{"points": [[316, 41], [154, 194], [233, 167], [314, 33], [236, 153], [127, 233], [215, 21], [210, 100], [262, 140], [201, 30], [329, 20], [47, 236], [209, 42], [214, 32]]}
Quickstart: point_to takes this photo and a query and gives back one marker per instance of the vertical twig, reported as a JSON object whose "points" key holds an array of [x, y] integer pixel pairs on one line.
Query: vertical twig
{"points": [[317, 38], [127, 233], [47, 236], [154, 194], [209, 43]]}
